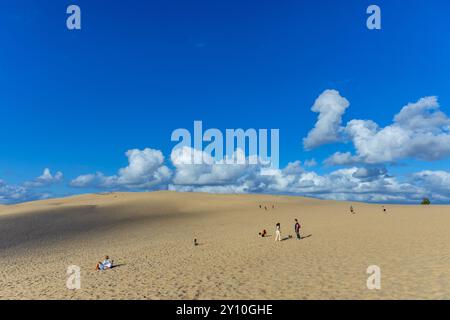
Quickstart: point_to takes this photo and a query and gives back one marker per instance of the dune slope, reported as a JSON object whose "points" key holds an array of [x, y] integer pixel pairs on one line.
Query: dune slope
{"points": [[150, 237]]}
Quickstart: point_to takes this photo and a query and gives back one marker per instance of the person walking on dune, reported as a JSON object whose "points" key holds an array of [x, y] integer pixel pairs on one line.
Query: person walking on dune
{"points": [[278, 232], [297, 229]]}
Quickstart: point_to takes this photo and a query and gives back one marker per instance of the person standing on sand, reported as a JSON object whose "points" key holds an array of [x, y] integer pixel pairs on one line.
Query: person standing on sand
{"points": [[278, 232], [297, 229]]}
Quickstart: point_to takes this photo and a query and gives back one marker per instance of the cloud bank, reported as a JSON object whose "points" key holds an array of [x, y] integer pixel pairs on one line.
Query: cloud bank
{"points": [[420, 131], [361, 183], [29, 190]]}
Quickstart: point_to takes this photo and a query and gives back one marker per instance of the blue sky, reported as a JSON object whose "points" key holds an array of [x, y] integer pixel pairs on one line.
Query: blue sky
{"points": [[76, 101]]}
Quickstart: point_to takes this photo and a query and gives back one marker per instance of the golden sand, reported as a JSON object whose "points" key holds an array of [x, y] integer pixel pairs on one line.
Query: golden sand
{"points": [[150, 237]]}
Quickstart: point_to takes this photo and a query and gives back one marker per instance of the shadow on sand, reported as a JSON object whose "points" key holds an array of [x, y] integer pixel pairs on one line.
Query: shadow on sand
{"points": [[291, 237]]}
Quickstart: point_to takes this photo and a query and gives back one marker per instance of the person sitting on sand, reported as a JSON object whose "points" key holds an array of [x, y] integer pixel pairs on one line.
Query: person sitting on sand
{"points": [[278, 232], [263, 233], [105, 264], [351, 210]]}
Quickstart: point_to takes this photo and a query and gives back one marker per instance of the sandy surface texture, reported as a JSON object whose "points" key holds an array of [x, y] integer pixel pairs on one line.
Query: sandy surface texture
{"points": [[150, 237]]}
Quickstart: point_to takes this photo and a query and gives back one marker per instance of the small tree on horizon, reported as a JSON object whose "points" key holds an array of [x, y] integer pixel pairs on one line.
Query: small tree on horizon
{"points": [[425, 201]]}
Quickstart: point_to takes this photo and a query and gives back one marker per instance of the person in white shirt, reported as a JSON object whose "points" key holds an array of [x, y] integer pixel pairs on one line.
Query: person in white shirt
{"points": [[278, 232]]}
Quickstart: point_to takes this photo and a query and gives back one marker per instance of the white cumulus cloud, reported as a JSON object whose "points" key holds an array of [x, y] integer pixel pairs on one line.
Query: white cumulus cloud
{"points": [[435, 181], [419, 131], [145, 170], [356, 183], [29, 190], [45, 179], [331, 106], [210, 172]]}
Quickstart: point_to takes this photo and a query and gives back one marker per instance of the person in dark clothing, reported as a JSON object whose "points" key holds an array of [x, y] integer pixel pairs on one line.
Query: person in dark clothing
{"points": [[297, 229]]}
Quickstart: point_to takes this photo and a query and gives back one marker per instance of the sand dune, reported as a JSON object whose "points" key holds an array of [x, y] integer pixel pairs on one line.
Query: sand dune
{"points": [[150, 236]]}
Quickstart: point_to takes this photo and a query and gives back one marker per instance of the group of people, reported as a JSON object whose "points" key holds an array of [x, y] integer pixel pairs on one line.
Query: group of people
{"points": [[265, 207], [278, 231], [107, 263], [352, 210]]}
